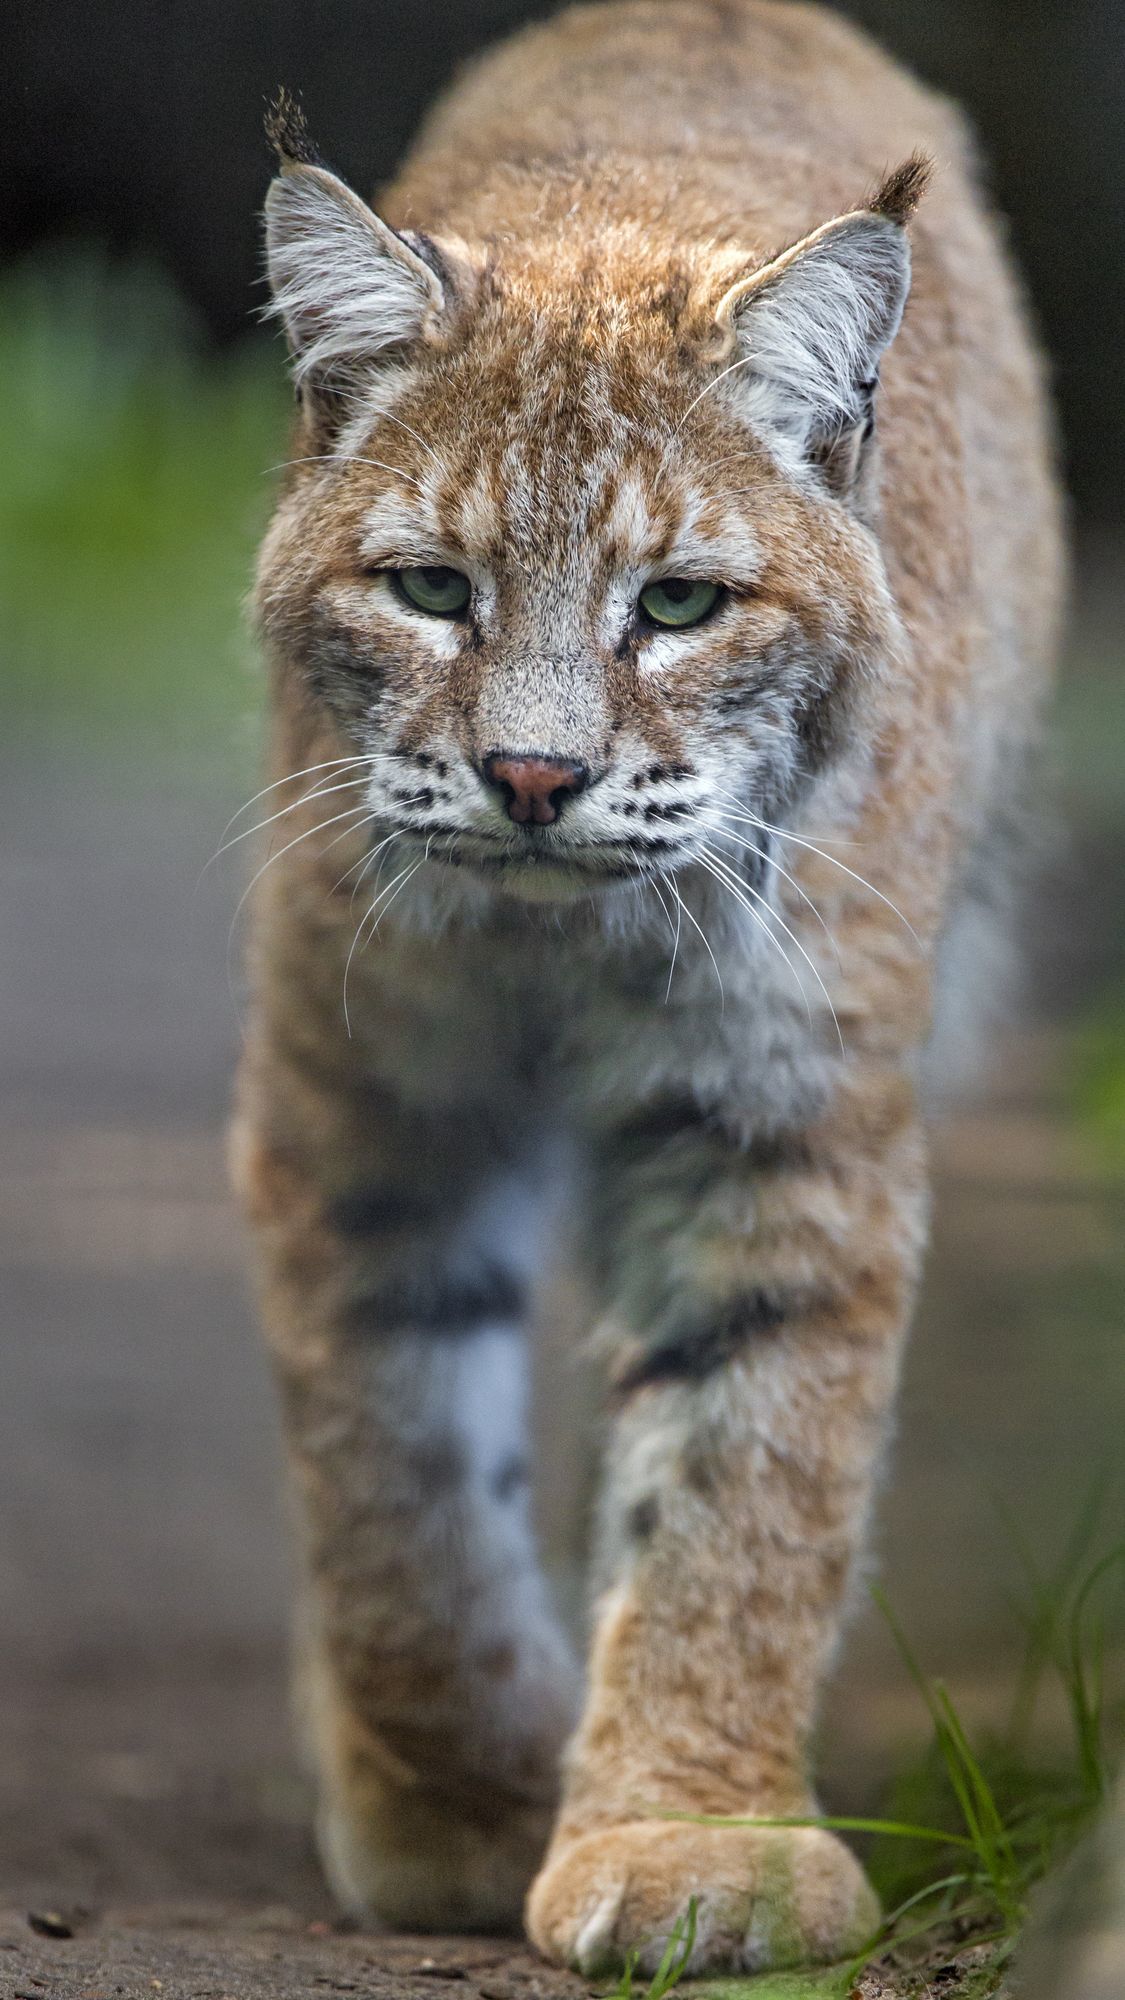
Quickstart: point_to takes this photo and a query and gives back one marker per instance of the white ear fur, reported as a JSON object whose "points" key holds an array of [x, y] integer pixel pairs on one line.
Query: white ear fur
{"points": [[345, 285], [810, 328]]}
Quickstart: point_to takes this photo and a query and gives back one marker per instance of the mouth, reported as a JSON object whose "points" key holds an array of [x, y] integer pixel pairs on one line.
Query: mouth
{"points": [[540, 866]]}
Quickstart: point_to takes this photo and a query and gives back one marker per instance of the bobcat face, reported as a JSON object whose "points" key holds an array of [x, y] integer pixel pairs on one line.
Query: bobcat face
{"points": [[576, 556]]}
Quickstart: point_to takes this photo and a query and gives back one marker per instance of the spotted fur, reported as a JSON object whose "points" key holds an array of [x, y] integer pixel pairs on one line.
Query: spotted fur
{"points": [[637, 307]]}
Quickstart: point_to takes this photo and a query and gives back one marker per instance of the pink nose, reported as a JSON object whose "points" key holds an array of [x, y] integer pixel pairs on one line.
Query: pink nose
{"points": [[534, 788]]}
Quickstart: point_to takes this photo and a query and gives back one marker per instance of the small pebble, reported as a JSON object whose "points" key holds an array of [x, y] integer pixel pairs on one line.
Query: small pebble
{"points": [[48, 1923]]}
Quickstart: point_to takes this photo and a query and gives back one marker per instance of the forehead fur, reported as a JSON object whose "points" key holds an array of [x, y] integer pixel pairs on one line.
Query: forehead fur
{"points": [[566, 402]]}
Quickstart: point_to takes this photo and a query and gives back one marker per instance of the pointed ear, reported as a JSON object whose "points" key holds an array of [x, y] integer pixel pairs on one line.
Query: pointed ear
{"points": [[810, 328], [346, 286]]}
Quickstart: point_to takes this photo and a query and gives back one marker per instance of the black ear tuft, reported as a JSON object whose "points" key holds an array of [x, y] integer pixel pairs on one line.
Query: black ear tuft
{"points": [[899, 194], [288, 133]]}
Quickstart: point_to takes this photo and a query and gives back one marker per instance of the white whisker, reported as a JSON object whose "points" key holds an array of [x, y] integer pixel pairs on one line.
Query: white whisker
{"points": [[706, 390], [675, 929], [400, 879], [752, 846], [346, 457], [741, 890], [674, 887], [649, 881], [385, 417], [782, 833], [364, 862], [290, 778], [736, 890], [323, 790], [322, 826]]}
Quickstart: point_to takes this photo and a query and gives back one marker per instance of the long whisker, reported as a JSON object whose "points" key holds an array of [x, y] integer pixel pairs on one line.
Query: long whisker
{"points": [[383, 862], [741, 888], [674, 887], [783, 834], [290, 778], [833, 839], [352, 813], [401, 880], [776, 918], [649, 881], [352, 457], [323, 790], [675, 929], [739, 840], [358, 868], [736, 889], [706, 390], [385, 417]]}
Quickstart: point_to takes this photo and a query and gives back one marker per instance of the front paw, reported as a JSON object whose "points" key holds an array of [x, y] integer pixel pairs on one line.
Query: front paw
{"points": [[764, 1897]]}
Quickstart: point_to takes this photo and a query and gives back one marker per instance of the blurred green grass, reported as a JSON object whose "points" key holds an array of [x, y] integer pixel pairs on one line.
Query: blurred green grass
{"points": [[133, 487]]}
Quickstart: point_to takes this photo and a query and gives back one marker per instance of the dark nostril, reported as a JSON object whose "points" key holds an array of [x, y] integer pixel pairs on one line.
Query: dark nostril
{"points": [[534, 788]]}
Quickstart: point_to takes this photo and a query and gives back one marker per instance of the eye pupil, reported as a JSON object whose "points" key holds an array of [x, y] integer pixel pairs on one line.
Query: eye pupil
{"points": [[434, 588], [679, 601]]}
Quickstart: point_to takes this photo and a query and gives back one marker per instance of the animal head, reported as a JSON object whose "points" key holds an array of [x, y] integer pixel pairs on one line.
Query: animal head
{"points": [[573, 550]]}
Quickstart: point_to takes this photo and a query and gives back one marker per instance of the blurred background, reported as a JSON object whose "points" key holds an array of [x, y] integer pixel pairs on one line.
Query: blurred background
{"points": [[144, 1747]]}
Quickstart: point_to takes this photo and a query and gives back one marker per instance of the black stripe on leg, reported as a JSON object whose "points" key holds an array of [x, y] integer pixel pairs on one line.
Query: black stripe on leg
{"points": [[701, 1350], [440, 1304], [665, 1120]]}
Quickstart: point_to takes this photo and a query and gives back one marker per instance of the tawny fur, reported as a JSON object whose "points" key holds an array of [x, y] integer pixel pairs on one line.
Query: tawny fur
{"points": [[632, 310]]}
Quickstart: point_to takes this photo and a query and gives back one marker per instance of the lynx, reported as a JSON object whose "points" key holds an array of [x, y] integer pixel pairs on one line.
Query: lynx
{"points": [[658, 607]]}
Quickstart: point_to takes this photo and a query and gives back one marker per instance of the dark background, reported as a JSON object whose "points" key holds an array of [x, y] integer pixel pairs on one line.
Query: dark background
{"points": [[140, 123]]}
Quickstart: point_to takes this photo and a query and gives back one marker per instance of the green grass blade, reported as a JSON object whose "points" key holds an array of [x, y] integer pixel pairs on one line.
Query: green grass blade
{"points": [[677, 1955], [832, 1823]]}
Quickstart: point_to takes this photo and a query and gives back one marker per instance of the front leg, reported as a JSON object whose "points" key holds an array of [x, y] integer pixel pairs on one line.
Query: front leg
{"points": [[761, 1291], [434, 1683]]}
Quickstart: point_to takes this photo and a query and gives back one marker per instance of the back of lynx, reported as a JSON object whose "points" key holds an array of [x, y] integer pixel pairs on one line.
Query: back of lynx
{"points": [[657, 606]]}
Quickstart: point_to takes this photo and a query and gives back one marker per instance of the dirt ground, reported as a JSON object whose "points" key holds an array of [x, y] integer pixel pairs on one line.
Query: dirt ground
{"points": [[212, 1954], [146, 1773]]}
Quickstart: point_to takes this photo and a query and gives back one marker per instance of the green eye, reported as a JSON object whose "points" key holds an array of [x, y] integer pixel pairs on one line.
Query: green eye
{"points": [[679, 600], [444, 593]]}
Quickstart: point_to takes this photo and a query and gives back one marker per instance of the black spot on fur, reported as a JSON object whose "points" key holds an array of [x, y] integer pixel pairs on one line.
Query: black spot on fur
{"points": [[699, 1468], [643, 1519], [509, 1478], [670, 809]]}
